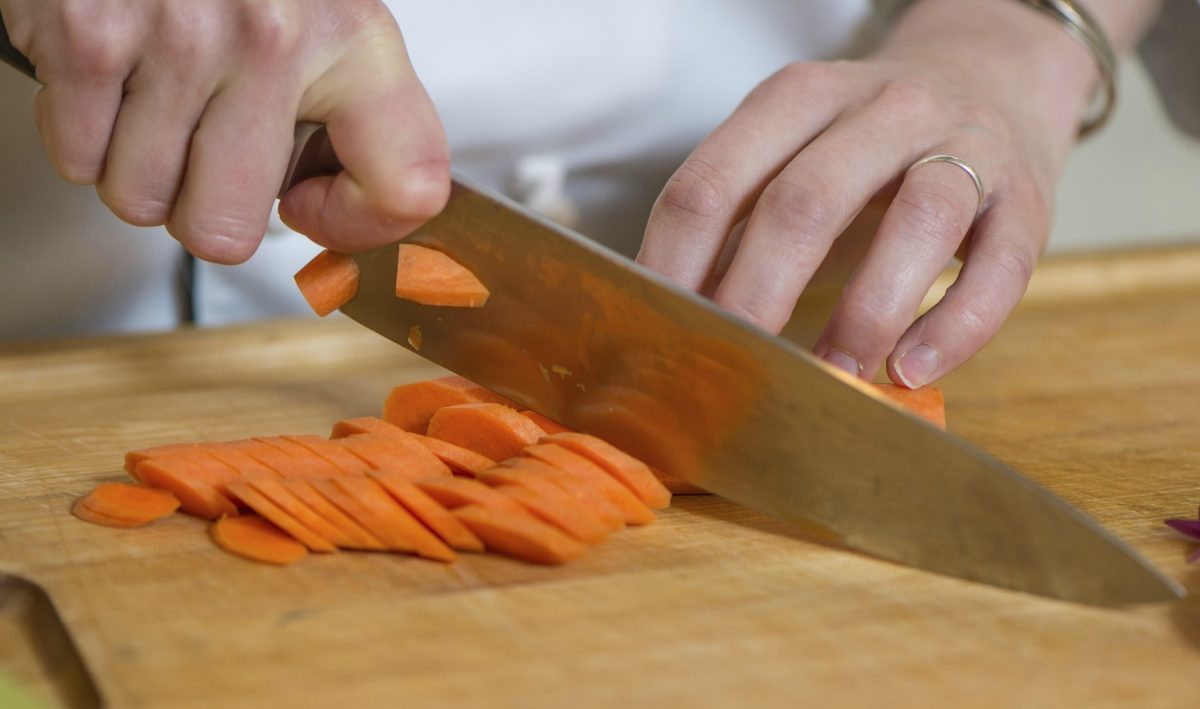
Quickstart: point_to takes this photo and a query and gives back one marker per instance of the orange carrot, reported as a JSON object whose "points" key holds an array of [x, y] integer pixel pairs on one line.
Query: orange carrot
{"points": [[630, 471], [927, 402], [124, 505], [396, 451], [437, 518], [284, 464], [457, 492], [581, 492], [346, 462], [380, 527], [410, 406], [461, 461], [256, 539], [235, 456], [306, 463], [258, 502], [634, 510], [196, 479], [555, 507], [132, 458], [492, 430], [328, 281], [358, 535], [519, 535], [547, 424], [677, 486], [274, 490], [371, 495], [363, 424], [430, 277]]}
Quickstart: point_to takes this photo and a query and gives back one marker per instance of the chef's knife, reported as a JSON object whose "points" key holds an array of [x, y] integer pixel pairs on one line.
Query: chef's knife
{"points": [[584, 336]]}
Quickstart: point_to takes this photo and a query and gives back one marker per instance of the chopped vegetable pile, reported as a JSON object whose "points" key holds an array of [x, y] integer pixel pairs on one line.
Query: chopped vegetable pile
{"points": [[1189, 528]]}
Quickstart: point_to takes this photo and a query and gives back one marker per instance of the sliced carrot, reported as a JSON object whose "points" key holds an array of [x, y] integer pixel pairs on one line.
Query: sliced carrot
{"points": [[258, 502], [247, 465], [430, 277], [426, 509], [630, 471], [372, 495], [132, 458], [461, 461], [328, 281], [256, 539], [363, 424], [366, 515], [196, 479], [927, 402], [677, 486], [274, 490], [410, 406], [124, 505], [553, 506], [581, 492], [632, 508], [397, 452], [358, 535], [492, 430], [336, 455], [547, 424], [454, 492], [307, 464], [284, 464], [519, 535]]}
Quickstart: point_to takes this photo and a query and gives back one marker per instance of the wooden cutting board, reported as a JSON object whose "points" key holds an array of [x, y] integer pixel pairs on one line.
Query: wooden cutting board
{"points": [[1093, 389]]}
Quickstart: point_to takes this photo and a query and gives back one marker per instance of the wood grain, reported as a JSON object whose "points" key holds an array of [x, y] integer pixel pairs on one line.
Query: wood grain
{"points": [[1093, 392]]}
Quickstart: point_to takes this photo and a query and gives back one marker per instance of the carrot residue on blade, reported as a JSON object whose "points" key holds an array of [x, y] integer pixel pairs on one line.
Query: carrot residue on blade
{"points": [[630, 471], [928, 402], [410, 406], [124, 505], [430, 277], [329, 281], [491, 430], [520, 535], [256, 539]]}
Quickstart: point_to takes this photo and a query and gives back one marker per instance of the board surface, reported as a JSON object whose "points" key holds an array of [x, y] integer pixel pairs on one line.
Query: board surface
{"points": [[1093, 389]]}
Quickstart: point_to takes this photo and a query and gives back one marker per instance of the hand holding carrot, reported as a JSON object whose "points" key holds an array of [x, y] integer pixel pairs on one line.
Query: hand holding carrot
{"points": [[182, 114]]}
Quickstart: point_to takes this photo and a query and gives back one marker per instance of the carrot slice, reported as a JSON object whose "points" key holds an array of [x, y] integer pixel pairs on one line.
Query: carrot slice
{"points": [[363, 424], [196, 479], [132, 458], [396, 451], [256, 539], [631, 472], [247, 465], [632, 508], [430, 277], [274, 490], [410, 406], [580, 491], [335, 454], [328, 281], [426, 509], [366, 515], [306, 463], [553, 506], [927, 402], [258, 502], [547, 424], [461, 461], [451, 492], [284, 464], [372, 495], [359, 536], [492, 430], [519, 535], [124, 505]]}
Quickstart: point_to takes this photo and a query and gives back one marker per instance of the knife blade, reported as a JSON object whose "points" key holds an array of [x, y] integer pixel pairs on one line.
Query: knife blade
{"points": [[601, 344]]}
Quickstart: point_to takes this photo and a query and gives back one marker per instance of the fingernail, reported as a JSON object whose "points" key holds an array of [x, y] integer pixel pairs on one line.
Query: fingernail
{"points": [[917, 366], [844, 361]]}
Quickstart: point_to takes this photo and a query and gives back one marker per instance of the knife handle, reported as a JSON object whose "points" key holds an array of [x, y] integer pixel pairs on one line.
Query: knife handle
{"points": [[312, 153]]}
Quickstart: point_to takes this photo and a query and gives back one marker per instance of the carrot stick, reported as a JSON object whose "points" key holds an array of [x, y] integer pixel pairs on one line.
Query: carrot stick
{"points": [[410, 406], [581, 492], [519, 535], [306, 464], [280, 517], [555, 507], [328, 281], [335, 454], [632, 508], [629, 471], [927, 402], [366, 515], [491, 430], [430, 277], [196, 479], [547, 424], [396, 451], [358, 535], [256, 539], [451, 492], [124, 505], [274, 490], [371, 495], [437, 518], [460, 460]]}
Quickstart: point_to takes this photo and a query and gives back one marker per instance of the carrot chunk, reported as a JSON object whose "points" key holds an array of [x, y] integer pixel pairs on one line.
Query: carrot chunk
{"points": [[454, 492], [124, 505], [399, 521], [630, 471], [426, 509], [328, 281], [280, 517], [430, 277], [195, 479], [410, 406], [519, 535], [492, 430], [274, 490], [460, 460], [358, 535], [547, 424], [927, 402], [586, 472], [256, 539]]}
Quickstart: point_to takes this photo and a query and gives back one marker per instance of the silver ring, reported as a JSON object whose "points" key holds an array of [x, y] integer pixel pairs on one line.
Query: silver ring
{"points": [[979, 191]]}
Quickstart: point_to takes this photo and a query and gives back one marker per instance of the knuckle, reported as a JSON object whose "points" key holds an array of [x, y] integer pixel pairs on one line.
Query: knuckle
{"points": [[273, 28], [929, 213], [419, 196], [185, 32], [807, 76], [811, 207], [872, 316], [98, 41], [907, 99], [696, 190], [983, 118], [1014, 261]]}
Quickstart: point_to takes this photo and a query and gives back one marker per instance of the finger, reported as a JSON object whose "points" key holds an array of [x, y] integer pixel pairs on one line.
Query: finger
{"points": [[714, 188], [1004, 249], [927, 220], [238, 155], [811, 202]]}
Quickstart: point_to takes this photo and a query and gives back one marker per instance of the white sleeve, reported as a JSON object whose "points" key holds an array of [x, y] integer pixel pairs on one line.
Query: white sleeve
{"points": [[1171, 53]]}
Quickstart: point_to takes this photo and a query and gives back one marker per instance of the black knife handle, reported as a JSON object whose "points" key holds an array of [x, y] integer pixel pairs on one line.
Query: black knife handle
{"points": [[12, 57]]}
